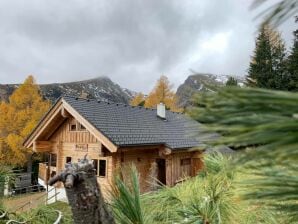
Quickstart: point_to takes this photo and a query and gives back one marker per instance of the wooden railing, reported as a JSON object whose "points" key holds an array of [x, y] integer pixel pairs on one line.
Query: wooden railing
{"points": [[44, 197], [43, 171], [28, 189]]}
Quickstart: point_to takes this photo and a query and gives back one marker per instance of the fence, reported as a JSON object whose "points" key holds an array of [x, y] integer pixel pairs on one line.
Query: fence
{"points": [[44, 198]]}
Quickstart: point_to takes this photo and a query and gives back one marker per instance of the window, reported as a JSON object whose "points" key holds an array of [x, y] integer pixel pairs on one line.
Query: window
{"points": [[100, 167], [184, 162], [73, 127], [68, 159], [53, 159], [82, 127]]}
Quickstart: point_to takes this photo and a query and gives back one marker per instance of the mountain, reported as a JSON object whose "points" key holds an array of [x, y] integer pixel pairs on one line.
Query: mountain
{"points": [[201, 82], [101, 88]]}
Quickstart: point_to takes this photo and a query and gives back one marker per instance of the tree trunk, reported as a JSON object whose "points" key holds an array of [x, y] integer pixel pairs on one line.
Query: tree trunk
{"points": [[84, 194]]}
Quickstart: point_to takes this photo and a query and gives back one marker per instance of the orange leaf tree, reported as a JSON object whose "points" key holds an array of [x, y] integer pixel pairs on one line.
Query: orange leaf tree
{"points": [[18, 117], [138, 100], [162, 93]]}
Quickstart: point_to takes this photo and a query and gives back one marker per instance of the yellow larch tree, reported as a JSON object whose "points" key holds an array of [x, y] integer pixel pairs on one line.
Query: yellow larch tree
{"points": [[138, 100], [163, 93], [18, 117]]}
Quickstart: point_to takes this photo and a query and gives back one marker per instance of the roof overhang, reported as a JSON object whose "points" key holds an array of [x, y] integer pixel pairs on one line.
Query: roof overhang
{"points": [[44, 122], [59, 112]]}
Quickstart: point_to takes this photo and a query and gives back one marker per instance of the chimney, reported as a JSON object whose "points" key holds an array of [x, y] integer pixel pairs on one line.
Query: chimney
{"points": [[161, 111]]}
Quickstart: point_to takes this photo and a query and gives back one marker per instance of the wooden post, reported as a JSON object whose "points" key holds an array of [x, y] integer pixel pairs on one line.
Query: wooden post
{"points": [[84, 194], [48, 170]]}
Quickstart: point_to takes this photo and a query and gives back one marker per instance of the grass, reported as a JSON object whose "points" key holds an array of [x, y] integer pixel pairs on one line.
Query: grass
{"points": [[44, 214], [215, 196]]}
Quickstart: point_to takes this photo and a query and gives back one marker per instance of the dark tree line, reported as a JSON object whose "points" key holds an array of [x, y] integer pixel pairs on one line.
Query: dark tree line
{"points": [[271, 66], [232, 81]]}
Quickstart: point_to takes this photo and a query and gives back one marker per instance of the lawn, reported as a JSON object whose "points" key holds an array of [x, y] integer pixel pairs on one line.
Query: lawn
{"points": [[44, 214]]}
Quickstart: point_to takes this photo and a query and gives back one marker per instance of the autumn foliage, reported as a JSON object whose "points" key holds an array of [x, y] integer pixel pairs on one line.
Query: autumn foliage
{"points": [[162, 93], [138, 100], [18, 117]]}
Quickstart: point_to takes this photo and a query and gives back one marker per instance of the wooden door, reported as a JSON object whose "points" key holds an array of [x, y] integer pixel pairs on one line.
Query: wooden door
{"points": [[161, 175]]}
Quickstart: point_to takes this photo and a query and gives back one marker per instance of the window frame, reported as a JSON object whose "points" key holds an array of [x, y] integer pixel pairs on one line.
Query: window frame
{"points": [[67, 158], [78, 127], [105, 167], [71, 125], [53, 160], [97, 167]]}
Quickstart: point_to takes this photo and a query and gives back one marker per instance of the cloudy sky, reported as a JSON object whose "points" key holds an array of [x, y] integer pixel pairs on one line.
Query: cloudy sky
{"points": [[133, 42]]}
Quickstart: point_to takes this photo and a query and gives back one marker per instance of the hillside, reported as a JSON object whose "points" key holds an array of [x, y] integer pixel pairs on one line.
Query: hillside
{"points": [[101, 88], [200, 82]]}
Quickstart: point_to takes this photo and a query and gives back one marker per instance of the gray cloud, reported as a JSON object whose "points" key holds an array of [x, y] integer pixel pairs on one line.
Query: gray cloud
{"points": [[132, 42]]}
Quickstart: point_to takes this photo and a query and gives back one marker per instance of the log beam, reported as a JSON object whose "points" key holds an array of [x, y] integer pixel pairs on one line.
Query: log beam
{"points": [[43, 146], [64, 113]]}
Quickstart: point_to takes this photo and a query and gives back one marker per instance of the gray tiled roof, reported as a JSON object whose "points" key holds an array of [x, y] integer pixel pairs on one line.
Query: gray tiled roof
{"points": [[125, 125]]}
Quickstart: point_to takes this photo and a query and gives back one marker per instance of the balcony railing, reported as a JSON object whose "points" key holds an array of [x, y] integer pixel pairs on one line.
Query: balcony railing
{"points": [[45, 171]]}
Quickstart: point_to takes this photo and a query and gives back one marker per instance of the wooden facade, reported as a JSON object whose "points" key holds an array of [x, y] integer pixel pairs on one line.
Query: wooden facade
{"points": [[67, 137]]}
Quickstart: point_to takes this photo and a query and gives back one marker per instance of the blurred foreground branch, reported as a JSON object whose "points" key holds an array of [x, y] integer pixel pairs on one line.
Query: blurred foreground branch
{"points": [[278, 12]]}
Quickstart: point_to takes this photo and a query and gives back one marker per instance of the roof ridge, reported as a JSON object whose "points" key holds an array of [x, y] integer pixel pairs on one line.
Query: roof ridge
{"points": [[98, 100], [116, 103]]}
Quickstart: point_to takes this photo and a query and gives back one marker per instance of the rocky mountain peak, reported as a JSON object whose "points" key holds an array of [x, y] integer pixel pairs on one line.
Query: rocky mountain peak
{"points": [[200, 82], [101, 88]]}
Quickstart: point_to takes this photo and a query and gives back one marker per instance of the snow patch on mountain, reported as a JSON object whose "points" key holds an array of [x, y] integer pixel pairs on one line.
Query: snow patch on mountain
{"points": [[201, 82], [101, 88]]}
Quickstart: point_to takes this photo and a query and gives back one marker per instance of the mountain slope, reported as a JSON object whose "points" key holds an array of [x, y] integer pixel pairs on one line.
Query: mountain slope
{"points": [[101, 88], [199, 83]]}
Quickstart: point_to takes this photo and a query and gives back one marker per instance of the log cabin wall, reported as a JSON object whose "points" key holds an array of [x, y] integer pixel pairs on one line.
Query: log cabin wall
{"points": [[75, 144], [143, 158], [63, 134], [178, 166]]}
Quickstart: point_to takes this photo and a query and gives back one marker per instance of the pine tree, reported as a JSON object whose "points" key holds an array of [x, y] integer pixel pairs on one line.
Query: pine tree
{"points": [[265, 123], [261, 65], [162, 93], [232, 82], [279, 66], [293, 63], [17, 119], [268, 66], [138, 100]]}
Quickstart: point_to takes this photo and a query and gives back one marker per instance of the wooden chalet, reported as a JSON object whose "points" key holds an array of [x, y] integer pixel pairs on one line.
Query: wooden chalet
{"points": [[158, 142]]}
